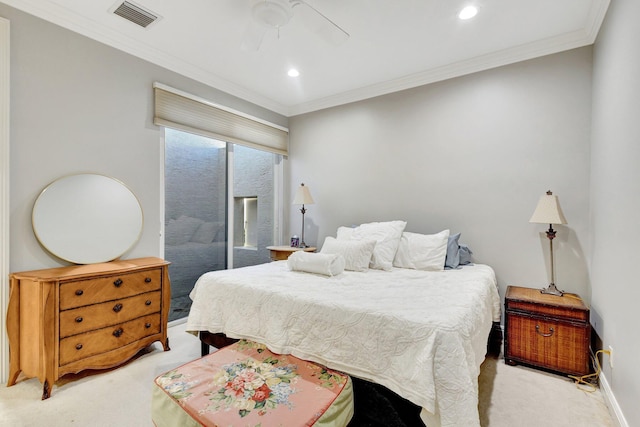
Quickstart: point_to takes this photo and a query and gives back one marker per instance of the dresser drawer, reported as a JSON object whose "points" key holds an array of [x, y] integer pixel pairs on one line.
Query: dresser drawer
{"points": [[100, 289], [87, 318], [103, 340], [548, 343]]}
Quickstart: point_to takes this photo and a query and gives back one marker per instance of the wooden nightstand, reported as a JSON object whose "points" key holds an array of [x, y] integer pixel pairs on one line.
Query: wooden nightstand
{"points": [[279, 253], [547, 331]]}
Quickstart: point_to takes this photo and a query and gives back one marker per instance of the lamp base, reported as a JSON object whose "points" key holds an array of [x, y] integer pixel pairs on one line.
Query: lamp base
{"points": [[552, 290]]}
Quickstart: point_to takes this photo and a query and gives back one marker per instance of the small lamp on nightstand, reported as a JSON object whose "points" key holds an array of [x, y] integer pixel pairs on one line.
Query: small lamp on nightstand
{"points": [[549, 212], [303, 197]]}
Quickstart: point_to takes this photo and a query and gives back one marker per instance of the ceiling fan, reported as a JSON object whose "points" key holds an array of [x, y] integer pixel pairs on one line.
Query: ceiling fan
{"points": [[269, 15]]}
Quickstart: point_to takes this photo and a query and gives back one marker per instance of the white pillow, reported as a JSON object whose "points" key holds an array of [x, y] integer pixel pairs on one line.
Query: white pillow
{"points": [[344, 233], [422, 251], [357, 254], [387, 236], [318, 263]]}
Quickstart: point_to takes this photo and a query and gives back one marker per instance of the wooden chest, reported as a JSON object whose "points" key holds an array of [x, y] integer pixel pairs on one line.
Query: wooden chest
{"points": [[64, 320], [547, 331]]}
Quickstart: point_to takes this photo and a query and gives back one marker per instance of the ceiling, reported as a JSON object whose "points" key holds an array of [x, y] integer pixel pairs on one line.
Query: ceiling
{"points": [[393, 44]]}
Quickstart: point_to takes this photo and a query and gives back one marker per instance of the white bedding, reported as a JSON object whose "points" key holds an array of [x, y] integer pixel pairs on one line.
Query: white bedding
{"points": [[422, 334]]}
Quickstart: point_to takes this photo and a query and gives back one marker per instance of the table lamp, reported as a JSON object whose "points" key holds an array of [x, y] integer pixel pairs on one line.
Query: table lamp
{"points": [[549, 212], [303, 197]]}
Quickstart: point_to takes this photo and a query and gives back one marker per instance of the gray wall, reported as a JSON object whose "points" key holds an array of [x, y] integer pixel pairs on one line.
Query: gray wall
{"points": [[80, 106], [615, 200], [471, 154]]}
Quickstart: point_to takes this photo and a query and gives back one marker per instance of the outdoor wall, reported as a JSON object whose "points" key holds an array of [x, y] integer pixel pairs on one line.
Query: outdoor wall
{"points": [[253, 177]]}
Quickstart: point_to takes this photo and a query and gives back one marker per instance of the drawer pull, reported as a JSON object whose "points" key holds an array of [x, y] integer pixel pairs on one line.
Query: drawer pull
{"points": [[118, 332], [543, 334], [147, 325], [147, 302], [79, 319], [78, 346], [147, 280], [117, 307], [117, 283], [79, 292]]}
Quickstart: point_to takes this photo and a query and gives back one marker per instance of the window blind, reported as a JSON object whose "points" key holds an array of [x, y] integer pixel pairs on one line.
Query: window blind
{"points": [[186, 112]]}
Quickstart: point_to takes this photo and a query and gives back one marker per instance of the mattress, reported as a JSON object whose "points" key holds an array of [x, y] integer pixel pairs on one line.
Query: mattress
{"points": [[421, 334], [246, 384]]}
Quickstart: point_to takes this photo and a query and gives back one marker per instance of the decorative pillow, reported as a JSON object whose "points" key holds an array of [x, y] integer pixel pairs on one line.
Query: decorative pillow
{"points": [[465, 255], [206, 232], [422, 251], [318, 263], [344, 233], [453, 252], [181, 230], [357, 254], [387, 236]]}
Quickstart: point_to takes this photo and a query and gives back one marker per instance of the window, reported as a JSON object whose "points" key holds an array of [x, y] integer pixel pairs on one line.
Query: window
{"points": [[198, 222], [223, 179]]}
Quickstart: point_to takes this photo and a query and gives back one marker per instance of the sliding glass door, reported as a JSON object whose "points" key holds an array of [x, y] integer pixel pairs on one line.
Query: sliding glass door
{"points": [[209, 224]]}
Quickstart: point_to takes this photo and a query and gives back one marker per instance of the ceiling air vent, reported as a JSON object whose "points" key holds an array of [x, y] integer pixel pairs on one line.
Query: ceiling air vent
{"points": [[134, 13]]}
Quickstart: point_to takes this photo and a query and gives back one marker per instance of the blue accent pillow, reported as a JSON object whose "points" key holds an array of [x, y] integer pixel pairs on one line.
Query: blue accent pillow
{"points": [[453, 252], [465, 254]]}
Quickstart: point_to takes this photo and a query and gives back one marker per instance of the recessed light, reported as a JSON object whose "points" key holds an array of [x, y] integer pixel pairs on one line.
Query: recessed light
{"points": [[468, 12], [293, 72]]}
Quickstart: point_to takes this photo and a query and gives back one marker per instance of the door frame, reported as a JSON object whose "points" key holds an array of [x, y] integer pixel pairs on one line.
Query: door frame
{"points": [[4, 192]]}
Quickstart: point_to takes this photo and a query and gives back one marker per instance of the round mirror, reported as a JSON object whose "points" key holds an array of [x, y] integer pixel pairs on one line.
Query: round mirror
{"points": [[87, 218]]}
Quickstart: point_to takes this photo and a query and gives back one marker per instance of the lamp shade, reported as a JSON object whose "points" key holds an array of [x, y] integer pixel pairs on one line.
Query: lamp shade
{"points": [[548, 211], [303, 196]]}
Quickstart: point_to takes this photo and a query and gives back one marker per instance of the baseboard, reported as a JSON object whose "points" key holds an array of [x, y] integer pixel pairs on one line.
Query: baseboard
{"points": [[177, 322], [612, 403]]}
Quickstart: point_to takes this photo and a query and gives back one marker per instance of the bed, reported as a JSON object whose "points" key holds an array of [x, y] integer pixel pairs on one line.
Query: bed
{"points": [[421, 334]]}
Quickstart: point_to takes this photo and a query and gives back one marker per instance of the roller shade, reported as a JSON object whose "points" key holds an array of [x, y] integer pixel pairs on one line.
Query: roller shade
{"points": [[182, 111]]}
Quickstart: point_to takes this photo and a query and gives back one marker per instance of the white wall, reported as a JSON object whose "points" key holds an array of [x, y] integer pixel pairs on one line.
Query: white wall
{"points": [[615, 200], [80, 106], [472, 154]]}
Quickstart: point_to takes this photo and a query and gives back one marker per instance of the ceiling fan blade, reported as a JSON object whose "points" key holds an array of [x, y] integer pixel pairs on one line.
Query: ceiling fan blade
{"points": [[253, 35], [320, 24]]}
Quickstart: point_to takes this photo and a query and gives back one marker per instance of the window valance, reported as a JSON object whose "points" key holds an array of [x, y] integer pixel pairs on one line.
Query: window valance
{"points": [[189, 113]]}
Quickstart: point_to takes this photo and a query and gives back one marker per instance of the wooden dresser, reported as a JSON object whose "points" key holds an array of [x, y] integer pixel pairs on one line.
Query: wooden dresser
{"points": [[64, 320], [547, 331]]}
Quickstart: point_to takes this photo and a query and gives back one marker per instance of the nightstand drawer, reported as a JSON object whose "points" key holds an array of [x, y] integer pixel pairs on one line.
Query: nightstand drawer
{"points": [[550, 311], [547, 343], [527, 300]]}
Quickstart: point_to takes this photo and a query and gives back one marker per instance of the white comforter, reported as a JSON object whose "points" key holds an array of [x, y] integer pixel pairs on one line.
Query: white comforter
{"points": [[421, 334]]}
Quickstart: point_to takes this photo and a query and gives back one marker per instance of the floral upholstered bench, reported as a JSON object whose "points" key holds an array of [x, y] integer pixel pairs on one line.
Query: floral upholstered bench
{"points": [[245, 384]]}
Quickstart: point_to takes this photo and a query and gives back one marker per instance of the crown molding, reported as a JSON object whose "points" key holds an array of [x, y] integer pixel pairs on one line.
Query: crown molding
{"points": [[67, 19], [63, 17], [509, 56]]}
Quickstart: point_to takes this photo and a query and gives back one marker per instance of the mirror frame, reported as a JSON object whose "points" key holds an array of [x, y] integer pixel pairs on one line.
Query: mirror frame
{"points": [[87, 218]]}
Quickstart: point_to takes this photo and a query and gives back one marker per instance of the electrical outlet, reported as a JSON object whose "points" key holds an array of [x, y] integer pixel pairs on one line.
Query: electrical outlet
{"points": [[611, 357]]}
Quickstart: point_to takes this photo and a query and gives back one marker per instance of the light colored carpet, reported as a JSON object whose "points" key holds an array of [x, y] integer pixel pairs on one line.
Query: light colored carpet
{"points": [[509, 396]]}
